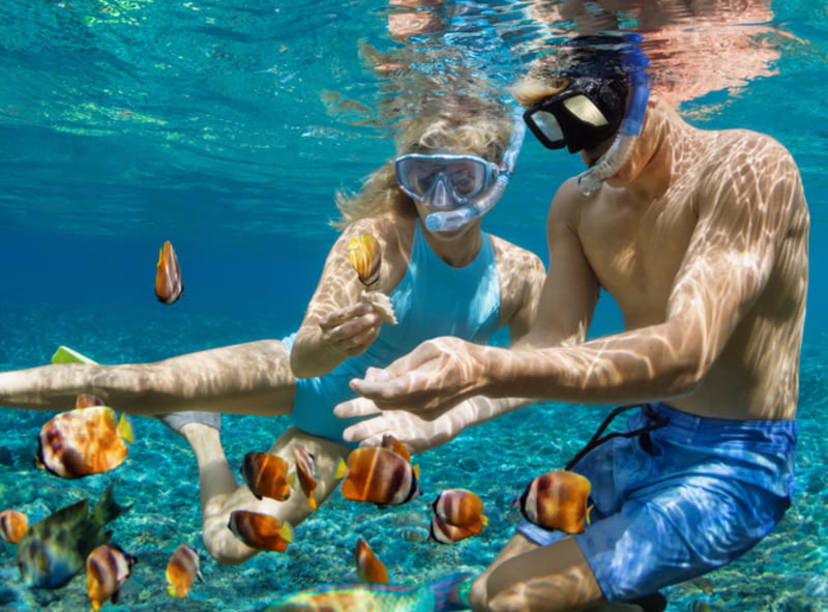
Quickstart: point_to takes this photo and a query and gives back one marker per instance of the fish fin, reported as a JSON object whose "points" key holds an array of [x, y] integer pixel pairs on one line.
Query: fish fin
{"points": [[416, 470], [160, 255], [292, 480], [171, 590], [286, 531], [484, 519], [108, 509], [125, 429], [382, 506], [341, 469], [64, 354], [199, 576], [114, 598], [588, 510], [312, 501]]}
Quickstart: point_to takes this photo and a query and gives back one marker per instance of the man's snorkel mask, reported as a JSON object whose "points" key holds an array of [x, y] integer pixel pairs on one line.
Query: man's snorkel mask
{"points": [[458, 188], [590, 106]]}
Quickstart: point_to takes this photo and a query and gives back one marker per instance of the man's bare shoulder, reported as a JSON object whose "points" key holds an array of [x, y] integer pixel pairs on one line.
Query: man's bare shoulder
{"points": [[737, 149]]}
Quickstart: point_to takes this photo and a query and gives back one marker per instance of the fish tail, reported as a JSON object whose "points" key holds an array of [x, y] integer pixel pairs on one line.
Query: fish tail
{"points": [[451, 592], [171, 590], [312, 501], [286, 531], [341, 469], [108, 509], [125, 429], [484, 519]]}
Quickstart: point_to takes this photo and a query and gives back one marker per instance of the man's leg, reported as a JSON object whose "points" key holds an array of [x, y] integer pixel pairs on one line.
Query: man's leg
{"points": [[220, 494], [525, 576]]}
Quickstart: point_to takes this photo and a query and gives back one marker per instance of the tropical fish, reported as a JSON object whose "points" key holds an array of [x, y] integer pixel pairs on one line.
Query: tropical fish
{"points": [[87, 400], [83, 441], [306, 470], [557, 500], [449, 593], [107, 568], [369, 567], [260, 531], [13, 525], [378, 475], [182, 569], [366, 258], [462, 508], [446, 533], [54, 549], [168, 287], [266, 475]]}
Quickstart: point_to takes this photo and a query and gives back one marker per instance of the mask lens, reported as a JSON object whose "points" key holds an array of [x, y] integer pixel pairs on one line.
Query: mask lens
{"points": [[549, 127], [585, 111], [466, 178]]}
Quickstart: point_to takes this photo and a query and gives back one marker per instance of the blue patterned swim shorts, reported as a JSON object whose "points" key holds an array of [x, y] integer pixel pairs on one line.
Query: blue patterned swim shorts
{"points": [[681, 500]]}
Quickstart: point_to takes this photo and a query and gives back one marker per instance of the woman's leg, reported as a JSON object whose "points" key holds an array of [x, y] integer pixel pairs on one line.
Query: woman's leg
{"points": [[220, 495]]}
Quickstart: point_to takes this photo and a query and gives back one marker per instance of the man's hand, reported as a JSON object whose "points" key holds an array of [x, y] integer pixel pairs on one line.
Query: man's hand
{"points": [[427, 382]]}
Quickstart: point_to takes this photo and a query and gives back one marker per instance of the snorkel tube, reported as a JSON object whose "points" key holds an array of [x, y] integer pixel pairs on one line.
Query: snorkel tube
{"points": [[448, 221], [610, 162]]}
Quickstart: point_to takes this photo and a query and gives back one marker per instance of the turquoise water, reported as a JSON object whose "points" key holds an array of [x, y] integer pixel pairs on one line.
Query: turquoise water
{"points": [[123, 124]]}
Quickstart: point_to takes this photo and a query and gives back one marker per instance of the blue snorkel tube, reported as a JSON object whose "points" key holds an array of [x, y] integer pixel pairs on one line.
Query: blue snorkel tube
{"points": [[447, 221], [610, 162]]}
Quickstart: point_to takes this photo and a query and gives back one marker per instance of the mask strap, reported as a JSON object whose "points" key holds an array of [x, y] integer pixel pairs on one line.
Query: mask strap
{"points": [[447, 221]]}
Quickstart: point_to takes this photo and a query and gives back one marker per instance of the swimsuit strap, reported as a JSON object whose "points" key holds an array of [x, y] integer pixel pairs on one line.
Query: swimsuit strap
{"points": [[657, 421]]}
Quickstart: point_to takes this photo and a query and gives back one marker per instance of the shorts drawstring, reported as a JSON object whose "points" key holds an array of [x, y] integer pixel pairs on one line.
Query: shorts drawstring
{"points": [[654, 421]]}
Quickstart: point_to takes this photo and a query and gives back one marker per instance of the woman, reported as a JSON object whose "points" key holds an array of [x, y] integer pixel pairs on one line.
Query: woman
{"points": [[451, 279]]}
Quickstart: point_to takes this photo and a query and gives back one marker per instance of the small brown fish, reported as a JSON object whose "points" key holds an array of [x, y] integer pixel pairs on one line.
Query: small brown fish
{"points": [[461, 508], [87, 400], [446, 533], [266, 475], [107, 568], [369, 567], [366, 258], [13, 525], [557, 500], [306, 470], [82, 442], [168, 287], [260, 531], [378, 475], [182, 570]]}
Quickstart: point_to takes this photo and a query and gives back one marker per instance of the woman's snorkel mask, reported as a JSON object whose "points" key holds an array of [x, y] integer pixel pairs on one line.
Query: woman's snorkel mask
{"points": [[589, 109], [458, 188]]}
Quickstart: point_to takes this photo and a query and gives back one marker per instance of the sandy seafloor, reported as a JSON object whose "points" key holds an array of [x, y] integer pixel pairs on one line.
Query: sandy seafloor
{"points": [[787, 571]]}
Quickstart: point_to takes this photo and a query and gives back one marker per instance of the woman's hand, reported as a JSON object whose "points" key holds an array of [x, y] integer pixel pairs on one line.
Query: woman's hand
{"points": [[352, 329]]}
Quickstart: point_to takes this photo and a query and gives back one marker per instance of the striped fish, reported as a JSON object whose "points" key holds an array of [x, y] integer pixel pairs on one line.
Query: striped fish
{"points": [[378, 475], [556, 500], [449, 593]]}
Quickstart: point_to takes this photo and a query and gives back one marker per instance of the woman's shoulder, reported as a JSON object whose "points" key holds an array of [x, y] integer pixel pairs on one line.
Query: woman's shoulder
{"points": [[506, 251]]}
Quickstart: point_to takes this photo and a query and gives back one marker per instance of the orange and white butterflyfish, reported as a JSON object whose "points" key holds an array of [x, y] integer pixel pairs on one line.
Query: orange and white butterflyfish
{"points": [[306, 471], [168, 287], [267, 475], [260, 531], [557, 500], [107, 568], [369, 567], [83, 441], [446, 533], [461, 508], [13, 525], [366, 258], [182, 570], [378, 475]]}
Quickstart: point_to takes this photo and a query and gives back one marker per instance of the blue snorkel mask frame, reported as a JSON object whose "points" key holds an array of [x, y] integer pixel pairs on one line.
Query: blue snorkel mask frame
{"points": [[476, 206]]}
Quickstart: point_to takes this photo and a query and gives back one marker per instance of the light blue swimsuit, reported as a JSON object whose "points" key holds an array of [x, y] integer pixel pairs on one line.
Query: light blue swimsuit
{"points": [[433, 299]]}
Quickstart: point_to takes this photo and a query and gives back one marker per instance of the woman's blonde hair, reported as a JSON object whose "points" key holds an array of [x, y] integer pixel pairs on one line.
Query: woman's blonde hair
{"points": [[450, 123]]}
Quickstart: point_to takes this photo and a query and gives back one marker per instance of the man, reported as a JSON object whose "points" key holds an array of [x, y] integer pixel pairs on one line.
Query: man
{"points": [[702, 239]]}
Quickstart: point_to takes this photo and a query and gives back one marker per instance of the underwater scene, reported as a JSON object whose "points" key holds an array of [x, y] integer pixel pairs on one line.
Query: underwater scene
{"points": [[228, 128]]}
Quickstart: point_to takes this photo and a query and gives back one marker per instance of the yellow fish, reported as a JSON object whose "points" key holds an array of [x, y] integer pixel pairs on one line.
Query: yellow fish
{"points": [[459, 508], [260, 531], [557, 500], [369, 567], [107, 568], [82, 442], [13, 525], [182, 570], [168, 286], [366, 258], [266, 475], [306, 470], [379, 475]]}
